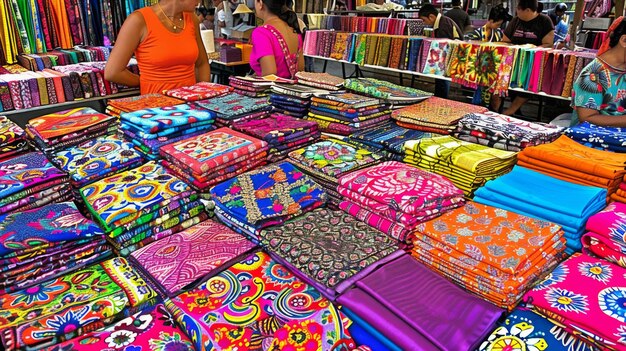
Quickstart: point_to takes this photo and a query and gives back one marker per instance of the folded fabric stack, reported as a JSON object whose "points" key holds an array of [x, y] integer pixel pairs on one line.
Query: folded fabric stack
{"points": [[606, 233], [182, 260], [47, 242], [63, 308], [384, 90], [478, 247], [394, 197], [330, 250], [347, 113], [566, 204], [142, 205], [235, 107], [527, 330], [293, 100], [320, 80], [620, 193], [282, 133], [585, 294], [30, 181], [504, 132], [381, 300], [466, 164], [96, 159], [568, 160], [210, 158], [199, 91], [152, 128], [327, 160], [388, 139], [150, 329], [135, 103], [281, 311], [13, 139], [61, 130], [598, 137], [266, 196], [435, 115], [250, 86]]}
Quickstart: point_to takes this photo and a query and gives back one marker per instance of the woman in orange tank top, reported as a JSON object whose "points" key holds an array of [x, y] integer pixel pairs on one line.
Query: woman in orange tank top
{"points": [[165, 39]]}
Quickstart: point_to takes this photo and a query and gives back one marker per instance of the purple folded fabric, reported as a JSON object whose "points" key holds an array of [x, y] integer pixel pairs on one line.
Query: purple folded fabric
{"points": [[448, 317]]}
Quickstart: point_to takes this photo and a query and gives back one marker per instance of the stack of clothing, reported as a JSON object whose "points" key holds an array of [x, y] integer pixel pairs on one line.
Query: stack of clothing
{"points": [[13, 139], [66, 307], [61, 130], [199, 91], [30, 181], [330, 250], [234, 107], [585, 294], [96, 159], [47, 242], [266, 196], [291, 100], [568, 160], [210, 158], [250, 86], [389, 92], [142, 205], [269, 309], [467, 165], [435, 115], [135, 103], [388, 139], [152, 128], [347, 113], [504, 132], [327, 160], [491, 252], [380, 299], [598, 137], [606, 234], [566, 204], [320, 80], [620, 193], [178, 262], [282, 133], [394, 197]]}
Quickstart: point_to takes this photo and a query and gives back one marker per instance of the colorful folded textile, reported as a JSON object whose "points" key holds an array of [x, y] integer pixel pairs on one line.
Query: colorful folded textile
{"points": [[329, 249], [380, 299], [435, 114], [598, 137], [250, 86], [504, 132], [320, 80], [467, 165], [233, 107], [566, 204], [345, 113], [584, 295], [605, 236], [388, 139], [135, 103], [13, 139], [151, 329], [267, 196], [65, 307], [527, 330], [199, 91], [96, 159], [297, 90], [202, 158], [384, 90], [57, 131], [290, 105], [399, 193], [179, 262], [280, 312], [327, 160], [478, 248]]}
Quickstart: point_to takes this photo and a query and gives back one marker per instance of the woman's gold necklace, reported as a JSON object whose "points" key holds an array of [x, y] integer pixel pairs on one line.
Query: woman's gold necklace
{"points": [[174, 26]]}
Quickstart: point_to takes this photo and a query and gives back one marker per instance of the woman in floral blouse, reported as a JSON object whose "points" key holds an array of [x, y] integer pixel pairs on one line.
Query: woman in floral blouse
{"points": [[599, 95]]}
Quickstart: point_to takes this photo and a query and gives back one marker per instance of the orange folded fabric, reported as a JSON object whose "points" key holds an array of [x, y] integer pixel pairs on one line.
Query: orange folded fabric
{"points": [[566, 174]]}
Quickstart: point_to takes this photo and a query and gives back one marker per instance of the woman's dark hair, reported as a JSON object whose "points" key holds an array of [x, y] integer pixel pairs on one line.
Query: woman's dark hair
{"points": [[527, 5], [202, 10], [499, 13], [617, 33], [427, 10], [280, 9]]}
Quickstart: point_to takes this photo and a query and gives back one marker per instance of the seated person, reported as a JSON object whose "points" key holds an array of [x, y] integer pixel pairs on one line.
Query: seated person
{"points": [[491, 31]]}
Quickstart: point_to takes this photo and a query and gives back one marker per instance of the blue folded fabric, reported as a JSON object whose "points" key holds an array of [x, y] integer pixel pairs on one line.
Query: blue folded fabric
{"points": [[154, 120], [610, 138], [365, 334]]}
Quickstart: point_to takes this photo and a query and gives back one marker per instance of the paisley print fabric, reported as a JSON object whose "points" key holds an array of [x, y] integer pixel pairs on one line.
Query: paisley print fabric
{"points": [[153, 120], [25, 171], [12, 138], [584, 294], [199, 91], [500, 253], [141, 102], [179, 260], [260, 303]]}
